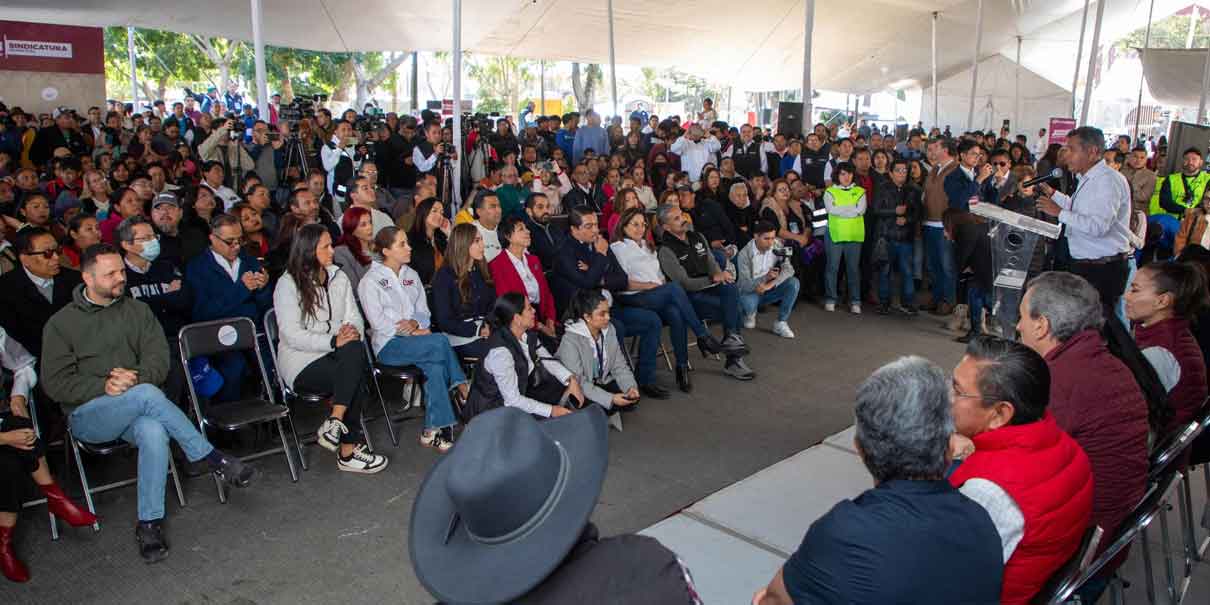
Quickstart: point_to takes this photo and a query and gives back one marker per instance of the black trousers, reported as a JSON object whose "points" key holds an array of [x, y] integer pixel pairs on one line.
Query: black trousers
{"points": [[343, 374], [1109, 280], [16, 465]]}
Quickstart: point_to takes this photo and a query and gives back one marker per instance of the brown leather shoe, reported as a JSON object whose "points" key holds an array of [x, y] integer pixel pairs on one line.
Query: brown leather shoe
{"points": [[943, 309]]}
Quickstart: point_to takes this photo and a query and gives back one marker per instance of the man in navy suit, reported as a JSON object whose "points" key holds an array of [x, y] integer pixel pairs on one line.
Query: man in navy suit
{"points": [[964, 184]]}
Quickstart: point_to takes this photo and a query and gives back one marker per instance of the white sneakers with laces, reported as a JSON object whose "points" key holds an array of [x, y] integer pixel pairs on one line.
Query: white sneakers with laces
{"points": [[330, 432], [362, 461], [783, 330]]}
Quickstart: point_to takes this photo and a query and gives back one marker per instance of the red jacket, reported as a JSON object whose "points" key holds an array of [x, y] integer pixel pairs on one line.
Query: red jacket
{"points": [[508, 280], [1190, 391], [1048, 476], [1095, 399]]}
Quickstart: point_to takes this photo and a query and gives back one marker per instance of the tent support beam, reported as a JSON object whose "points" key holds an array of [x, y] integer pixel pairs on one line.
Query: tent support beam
{"points": [[1017, 89], [936, 103], [542, 86], [1092, 63], [456, 162], [415, 81], [970, 108], [1201, 104], [258, 49], [1075, 79], [807, 36], [613, 66], [1138, 106], [134, 76]]}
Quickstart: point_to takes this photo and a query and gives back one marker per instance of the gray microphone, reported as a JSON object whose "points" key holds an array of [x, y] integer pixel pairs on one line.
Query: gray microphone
{"points": [[1054, 175]]}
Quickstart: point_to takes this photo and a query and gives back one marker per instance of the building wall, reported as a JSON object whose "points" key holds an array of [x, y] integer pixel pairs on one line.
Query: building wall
{"points": [[41, 92]]}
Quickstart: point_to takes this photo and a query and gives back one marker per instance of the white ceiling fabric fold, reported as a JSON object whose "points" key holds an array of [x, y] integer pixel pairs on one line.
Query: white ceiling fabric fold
{"points": [[1174, 77]]}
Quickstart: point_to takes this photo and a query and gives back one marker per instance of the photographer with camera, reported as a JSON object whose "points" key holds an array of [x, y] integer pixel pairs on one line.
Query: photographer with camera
{"points": [[389, 150], [267, 153], [224, 146], [340, 160], [766, 276]]}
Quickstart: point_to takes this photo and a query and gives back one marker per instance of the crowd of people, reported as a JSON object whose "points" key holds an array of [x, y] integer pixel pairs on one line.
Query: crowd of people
{"points": [[549, 290]]}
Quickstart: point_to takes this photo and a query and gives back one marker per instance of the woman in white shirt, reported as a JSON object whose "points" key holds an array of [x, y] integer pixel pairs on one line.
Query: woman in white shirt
{"points": [[393, 298], [553, 183], [320, 349], [518, 371], [648, 289]]}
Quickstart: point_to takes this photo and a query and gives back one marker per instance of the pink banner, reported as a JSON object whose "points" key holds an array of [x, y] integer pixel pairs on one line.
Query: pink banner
{"points": [[1059, 127]]}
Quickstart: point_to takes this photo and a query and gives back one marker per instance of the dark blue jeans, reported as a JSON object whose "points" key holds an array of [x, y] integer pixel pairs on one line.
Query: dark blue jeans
{"points": [[978, 299], [670, 302], [718, 303], [940, 255], [901, 260], [644, 324]]}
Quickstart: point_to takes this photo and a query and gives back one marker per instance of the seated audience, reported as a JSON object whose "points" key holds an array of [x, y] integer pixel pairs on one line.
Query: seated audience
{"points": [[487, 219], [82, 231], [741, 212], [362, 195], [23, 453], [103, 356], [765, 276], [128, 204], [31, 295], [1032, 478], [166, 218], [592, 351], [320, 349], [428, 237], [508, 375], [399, 321], [353, 249], [546, 238], [913, 538], [516, 270], [463, 294], [256, 240]]}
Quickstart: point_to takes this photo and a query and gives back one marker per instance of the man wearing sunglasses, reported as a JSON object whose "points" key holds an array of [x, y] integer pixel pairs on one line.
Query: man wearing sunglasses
{"points": [[32, 293], [1001, 184]]}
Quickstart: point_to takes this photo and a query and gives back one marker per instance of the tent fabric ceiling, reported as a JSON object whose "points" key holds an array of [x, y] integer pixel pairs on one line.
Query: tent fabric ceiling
{"points": [[1174, 77], [858, 47], [995, 98]]}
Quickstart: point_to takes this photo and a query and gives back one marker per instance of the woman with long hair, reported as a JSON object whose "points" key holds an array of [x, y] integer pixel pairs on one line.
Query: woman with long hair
{"points": [[518, 371], [649, 289], [82, 231], [642, 186], [780, 208], [352, 251], [712, 187], [428, 238], [400, 330], [626, 199], [917, 173], [661, 168], [320, 349], [95, 198], [463, 293], [1162, 301]]}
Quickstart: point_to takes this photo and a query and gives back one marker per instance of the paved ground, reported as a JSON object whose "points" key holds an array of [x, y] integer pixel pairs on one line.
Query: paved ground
{"points": [[333, 537]]}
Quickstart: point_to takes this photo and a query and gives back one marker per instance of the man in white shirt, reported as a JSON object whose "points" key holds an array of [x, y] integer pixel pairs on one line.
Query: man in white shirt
{"points": [[362, 194], [695, 151], [1096, 218], [1040, 144], [212, 179], [766, 276], [487, 219]]}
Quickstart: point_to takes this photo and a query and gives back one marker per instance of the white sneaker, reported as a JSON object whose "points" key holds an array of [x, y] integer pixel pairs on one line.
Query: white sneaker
{"points": [[362, 461], [750, 322], [855, 309], [829, 307], [437, 439], [783, 330], [329, 434]]}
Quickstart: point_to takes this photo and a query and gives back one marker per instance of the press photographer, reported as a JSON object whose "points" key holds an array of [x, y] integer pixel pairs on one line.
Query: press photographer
{"points": [[340, 159], [431, 149], [224, 146]]}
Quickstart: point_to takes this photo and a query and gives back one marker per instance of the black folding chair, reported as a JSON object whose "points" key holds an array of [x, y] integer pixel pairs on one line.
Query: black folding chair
{"points": [[33, 418], [105, 449], [409, 375], [289, 394], [235, 335], [1168, 457], [1072, 569]]}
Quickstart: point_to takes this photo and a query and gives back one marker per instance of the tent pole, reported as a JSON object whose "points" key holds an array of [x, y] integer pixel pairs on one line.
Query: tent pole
{"points": [[613, 67], [542, 87], [1201, 104], [936, 105], [134, 76], [456, 163], [1092, 62], [258, 49], [970, 108], [1075, 79], [415, 81], [1138, 107], [807, 35], [1017, 89]]}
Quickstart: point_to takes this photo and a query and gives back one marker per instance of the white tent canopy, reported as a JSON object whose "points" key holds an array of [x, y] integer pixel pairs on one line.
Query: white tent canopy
{"points": [[758, 45], [995, 98]]}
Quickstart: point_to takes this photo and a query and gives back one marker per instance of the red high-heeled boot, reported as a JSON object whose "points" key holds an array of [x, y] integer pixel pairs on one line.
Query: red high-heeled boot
{"points": [[12, 567], [64, 508]]}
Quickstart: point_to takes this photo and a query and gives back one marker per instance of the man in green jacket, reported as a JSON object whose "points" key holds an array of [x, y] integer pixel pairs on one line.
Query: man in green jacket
{"points": [[103, 358]]}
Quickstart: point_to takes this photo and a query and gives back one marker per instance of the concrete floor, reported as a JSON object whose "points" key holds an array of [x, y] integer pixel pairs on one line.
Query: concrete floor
{"points": [[335, 537]]}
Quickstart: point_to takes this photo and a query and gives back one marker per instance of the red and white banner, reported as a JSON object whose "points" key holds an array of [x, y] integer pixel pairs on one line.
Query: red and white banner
{"points": [[51, 48], [1059, 127]]}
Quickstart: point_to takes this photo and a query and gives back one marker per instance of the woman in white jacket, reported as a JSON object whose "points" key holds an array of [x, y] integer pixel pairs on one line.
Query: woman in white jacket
{"points": [[320, 349], [393, 298]]}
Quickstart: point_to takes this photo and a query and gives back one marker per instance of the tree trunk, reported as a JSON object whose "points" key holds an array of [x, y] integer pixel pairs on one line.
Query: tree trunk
{"points": [[340, 94], [287, 87], [584, 88]]}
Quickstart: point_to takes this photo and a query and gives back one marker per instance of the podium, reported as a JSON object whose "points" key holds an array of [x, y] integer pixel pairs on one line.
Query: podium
{"points": [[1014, 241]]}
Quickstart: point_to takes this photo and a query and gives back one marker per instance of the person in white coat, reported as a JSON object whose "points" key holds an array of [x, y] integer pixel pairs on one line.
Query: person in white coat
{"points": [[320, 349], [393, 298]]}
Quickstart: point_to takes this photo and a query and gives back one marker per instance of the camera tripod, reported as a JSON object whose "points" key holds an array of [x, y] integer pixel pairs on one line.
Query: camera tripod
{"points": [[296, 157]]}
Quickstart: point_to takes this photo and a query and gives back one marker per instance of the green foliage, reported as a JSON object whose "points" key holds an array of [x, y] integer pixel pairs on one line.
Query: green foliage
{"points": [[1170, 32], [502, 82], [163, 58]]}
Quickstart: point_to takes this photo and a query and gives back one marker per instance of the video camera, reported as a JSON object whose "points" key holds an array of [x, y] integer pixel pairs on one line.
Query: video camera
{"points": [[302, 106]]}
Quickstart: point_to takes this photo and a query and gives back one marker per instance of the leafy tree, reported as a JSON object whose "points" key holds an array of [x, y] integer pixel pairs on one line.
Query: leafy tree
{"points": [[502, 82], [162, 58], [585, 87], [1170, 32]]}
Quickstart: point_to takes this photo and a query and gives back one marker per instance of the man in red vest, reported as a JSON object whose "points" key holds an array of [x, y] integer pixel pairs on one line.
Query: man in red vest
{"points": [[1032, 478]]}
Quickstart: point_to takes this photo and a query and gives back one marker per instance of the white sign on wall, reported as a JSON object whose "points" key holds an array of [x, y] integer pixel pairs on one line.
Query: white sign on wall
{"points": [[37, 48]]}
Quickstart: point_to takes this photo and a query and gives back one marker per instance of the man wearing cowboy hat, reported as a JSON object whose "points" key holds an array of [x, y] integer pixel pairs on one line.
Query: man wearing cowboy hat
{"points": [[504, 518]]}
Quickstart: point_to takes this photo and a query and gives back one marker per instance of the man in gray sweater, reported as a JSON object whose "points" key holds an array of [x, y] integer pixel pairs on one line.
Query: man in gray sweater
{"points": [[766, 276]]}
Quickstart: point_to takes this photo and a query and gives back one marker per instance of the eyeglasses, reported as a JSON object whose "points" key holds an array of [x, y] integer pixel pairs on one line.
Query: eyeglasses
{"points": [[48, 253], [1001, 164], [958, 394], [232, 242], [143, 240]]}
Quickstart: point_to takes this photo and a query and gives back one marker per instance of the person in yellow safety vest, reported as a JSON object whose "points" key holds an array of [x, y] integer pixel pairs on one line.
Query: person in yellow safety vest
{"points": [[846, 205], [1183, 190]]}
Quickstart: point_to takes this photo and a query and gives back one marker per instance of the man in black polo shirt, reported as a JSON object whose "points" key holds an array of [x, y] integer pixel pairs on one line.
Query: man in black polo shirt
{"points": [[913, 538]]}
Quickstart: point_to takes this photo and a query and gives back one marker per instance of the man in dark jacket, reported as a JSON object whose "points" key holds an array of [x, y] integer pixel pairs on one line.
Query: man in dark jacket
{"points": [[896, 210], [709, 219], [546, 237], [746, 153], [584, 261], [584, 193], [63, 133], [964, 184], [30, 294], [104, 357]]}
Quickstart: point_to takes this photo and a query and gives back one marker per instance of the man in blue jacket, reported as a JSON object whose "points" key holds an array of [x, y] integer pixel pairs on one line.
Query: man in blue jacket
{"points": [[228, 282], [585, 261], [965, 183]]}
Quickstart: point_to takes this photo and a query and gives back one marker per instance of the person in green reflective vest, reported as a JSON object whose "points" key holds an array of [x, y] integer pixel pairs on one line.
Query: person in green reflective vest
{"points": [[1183, 190], [846, 205]]}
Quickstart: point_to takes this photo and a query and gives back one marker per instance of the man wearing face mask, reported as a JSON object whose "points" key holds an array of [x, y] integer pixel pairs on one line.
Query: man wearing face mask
{"points": [[159, 282]]}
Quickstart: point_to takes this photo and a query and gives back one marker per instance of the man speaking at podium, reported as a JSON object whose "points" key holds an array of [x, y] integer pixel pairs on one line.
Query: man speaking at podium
{"points": [[1096, 218]]}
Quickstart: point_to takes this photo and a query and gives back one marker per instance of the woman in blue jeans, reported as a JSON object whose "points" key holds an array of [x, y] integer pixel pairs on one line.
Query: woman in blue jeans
{"points": [[649, 290], [393, 299]]}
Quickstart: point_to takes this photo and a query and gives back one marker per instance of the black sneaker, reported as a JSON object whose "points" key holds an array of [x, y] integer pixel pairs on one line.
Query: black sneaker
{"points": [[234, 472], [149, 535], [884, 309], [653, 391]]}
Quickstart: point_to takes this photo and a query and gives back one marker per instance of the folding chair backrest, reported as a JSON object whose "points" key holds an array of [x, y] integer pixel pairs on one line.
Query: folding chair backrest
{"points": [[271, 333], [232, 335], [1170, 450], [1070, 572]]}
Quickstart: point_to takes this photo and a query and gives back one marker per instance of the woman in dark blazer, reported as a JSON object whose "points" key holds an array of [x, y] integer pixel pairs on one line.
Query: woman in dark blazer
{"points": [[428, 237], [463, 293]]}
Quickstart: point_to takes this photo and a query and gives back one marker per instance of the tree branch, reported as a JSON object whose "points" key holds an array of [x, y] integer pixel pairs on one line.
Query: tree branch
{"points": [[385, 72]]}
